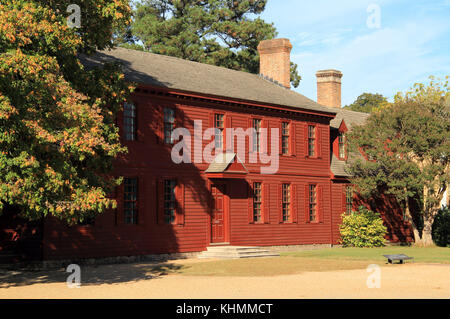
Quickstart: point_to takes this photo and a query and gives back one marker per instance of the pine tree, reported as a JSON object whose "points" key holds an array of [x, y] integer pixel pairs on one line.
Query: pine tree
{"points": [[219, 32]]}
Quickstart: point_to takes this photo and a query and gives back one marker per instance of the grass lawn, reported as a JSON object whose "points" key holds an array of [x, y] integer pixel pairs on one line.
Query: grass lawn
{"points": [[331, 259], [421, 255]]}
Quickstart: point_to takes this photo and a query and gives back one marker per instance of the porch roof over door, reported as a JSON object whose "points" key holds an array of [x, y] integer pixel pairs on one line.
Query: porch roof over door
{"points": [[226, 165]]}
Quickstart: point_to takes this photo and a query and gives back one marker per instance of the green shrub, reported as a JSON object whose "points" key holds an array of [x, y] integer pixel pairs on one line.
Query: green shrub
{"points": [[362, 228], [441, 228]]}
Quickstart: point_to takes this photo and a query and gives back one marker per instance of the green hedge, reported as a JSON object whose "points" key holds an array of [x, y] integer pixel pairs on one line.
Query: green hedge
{"points": [[363, 228], [441, 228]]}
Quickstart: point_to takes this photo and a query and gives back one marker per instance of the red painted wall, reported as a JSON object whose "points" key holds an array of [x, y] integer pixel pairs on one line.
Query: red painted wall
{"points": [[149, 160]]}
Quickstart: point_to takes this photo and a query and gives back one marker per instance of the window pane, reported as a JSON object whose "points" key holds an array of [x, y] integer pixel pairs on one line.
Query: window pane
{"points": [[312, 203], [169, 124], [341, 146], [286, 202], [169, 201], [218, 120], [129, 121], [130, 200], [311, 140], [257, 201], [348, 199], [285, 138], [256, 135]]}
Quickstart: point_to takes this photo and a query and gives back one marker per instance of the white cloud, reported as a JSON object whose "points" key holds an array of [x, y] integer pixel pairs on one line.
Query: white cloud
{"points": [[411, 44], [380, 61]]}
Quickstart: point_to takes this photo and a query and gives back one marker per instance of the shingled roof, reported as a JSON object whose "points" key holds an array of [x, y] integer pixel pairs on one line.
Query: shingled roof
{"points": [[338, 167], [351, 118], [174, 73]]}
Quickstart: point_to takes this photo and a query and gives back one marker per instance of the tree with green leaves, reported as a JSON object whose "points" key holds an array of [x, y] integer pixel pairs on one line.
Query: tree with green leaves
{"points": [[367, 103], [407, 147], [57, 133], [217, 32]]}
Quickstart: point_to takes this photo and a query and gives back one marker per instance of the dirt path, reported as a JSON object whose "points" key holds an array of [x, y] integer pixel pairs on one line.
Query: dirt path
{"points": [[134, 281]]}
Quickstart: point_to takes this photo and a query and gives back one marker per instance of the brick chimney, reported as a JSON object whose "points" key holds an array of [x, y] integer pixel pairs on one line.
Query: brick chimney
{"points": [[329, 87], [275, 60]]}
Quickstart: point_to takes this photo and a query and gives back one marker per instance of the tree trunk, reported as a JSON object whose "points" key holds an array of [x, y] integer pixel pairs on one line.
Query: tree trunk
{"points": [[427, 237], [409, 218]]}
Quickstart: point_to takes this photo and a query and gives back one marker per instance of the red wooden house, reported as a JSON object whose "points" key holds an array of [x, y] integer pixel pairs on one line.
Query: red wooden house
{"points": [[165, 207]]}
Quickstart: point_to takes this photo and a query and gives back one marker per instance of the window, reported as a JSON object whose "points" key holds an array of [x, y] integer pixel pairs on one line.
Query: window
{"points": [[169, 124], [130, 200], [285, 138], [348, 199], [311, 140], [257, 201], [169, 201], [256, 135], [341, 146], [219, 124], [312, 203], [129, 121], [286, 202]]}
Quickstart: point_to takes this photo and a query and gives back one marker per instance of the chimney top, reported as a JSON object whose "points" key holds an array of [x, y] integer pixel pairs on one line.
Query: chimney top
{"points": [[329, 75], [329, 87], [275, 45], [275, 61]]}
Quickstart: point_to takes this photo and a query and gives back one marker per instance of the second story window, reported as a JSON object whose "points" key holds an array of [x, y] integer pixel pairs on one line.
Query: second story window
{"points": [[341, 140], [130, 199], [257, 201], [286, 202], [219, 125], [169, 124], [256, 135], [285, 127], [129, 121], [312, 203], [311, 140]]}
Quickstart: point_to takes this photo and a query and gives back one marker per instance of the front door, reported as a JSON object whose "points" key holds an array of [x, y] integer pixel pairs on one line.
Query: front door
{"points": [[218, 213]]}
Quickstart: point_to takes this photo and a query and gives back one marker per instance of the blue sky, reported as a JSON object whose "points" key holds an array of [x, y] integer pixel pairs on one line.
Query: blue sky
{"points": [[411, 42]]}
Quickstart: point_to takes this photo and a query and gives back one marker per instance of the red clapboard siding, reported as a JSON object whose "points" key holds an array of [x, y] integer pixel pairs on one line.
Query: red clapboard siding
{"points": [[149, 160]]}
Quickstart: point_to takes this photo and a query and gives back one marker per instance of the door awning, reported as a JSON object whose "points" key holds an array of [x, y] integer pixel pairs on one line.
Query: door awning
{"points": [[226, 165]]}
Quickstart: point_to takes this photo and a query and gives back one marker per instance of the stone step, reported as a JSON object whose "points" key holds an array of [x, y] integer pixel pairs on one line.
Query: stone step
{"points": [[232, 248], [232, 252], [222, 256]]}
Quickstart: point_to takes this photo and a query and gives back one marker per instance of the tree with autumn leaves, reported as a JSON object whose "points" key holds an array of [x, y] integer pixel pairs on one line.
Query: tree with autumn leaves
{"points": [[57, 132], [407, 150]]}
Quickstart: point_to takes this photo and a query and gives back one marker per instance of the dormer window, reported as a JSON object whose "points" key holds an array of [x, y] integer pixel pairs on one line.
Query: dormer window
{"points": [[342, 151]]}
